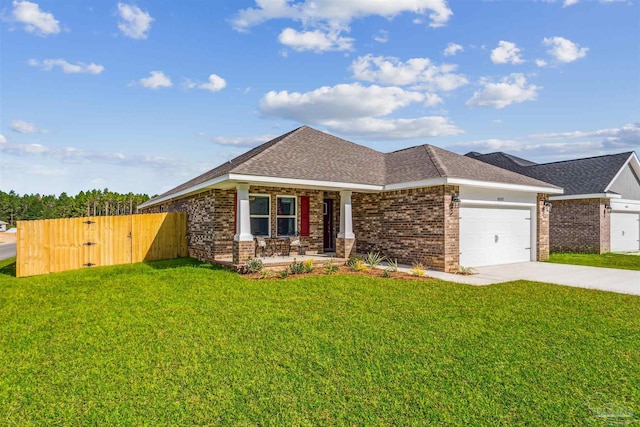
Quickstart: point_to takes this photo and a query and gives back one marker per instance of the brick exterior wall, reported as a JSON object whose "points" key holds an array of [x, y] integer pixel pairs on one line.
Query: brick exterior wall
{"points": [[416, 225], [580, 225], [242, 251], [211, 219], [542, 227]]}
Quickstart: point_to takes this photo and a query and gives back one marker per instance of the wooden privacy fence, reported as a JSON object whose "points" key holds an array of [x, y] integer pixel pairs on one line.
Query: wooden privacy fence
{"points": [[53, 245]]}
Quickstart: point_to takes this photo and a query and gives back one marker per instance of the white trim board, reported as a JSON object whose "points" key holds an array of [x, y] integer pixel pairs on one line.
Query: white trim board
{"points": [[329, 185], [587, 196]]}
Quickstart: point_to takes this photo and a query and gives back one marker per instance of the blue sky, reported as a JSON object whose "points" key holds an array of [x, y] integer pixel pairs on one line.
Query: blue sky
{"points": [[143, 96]]}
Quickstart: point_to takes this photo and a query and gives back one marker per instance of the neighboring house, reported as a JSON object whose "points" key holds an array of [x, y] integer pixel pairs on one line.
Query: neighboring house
{"points": [[3, 226], [600, 208], [422, 204]]}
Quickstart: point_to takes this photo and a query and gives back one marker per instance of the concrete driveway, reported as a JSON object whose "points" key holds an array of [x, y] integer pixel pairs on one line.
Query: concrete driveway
{"points": [[7, 250], [604, 279]]}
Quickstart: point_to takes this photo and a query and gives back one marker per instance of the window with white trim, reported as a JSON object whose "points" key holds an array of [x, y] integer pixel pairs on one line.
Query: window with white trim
{"points": [[260, 213], [286, 215]]}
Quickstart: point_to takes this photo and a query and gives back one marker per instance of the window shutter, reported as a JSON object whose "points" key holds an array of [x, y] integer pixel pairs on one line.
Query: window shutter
{"points": [[235, 213], [304, 216]]}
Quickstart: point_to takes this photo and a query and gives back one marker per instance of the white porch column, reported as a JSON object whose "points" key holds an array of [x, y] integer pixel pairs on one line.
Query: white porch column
{"points": [[346, 217], [243, 218]]}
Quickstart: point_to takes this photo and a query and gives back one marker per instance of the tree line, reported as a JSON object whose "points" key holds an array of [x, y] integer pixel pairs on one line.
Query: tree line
{"points": [[15, 207]]}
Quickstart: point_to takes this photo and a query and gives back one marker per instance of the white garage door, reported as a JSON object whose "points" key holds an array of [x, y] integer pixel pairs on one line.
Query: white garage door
{"points": [[491, 236], [625, 232]]}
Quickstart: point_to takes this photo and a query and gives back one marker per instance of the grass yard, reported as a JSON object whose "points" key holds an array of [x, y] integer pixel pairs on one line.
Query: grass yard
{"points": [[180, 343], [621, 261]]}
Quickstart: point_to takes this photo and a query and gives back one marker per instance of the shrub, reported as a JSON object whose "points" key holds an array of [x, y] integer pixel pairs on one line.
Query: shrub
{"points": [[386, 274], [353, 259], [254, 265], [284, 274], [373, 259], [393, 265], [329, 267], [465, 270], [418, 269], [296, 267], [266, 274], [356, 263], [308, 265]]}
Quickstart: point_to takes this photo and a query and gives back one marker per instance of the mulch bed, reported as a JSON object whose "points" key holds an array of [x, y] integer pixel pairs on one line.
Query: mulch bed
{"points": [[342, 270]]}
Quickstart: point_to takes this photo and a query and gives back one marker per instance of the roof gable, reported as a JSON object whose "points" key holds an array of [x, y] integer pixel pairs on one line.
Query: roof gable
{"points": [[590, 175]]}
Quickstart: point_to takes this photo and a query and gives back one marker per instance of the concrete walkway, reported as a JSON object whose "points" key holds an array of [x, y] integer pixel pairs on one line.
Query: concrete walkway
{"points": [[604, 279]]}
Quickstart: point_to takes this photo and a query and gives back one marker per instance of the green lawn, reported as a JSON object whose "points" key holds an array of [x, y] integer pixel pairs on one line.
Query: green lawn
{"points": [[621, 261], [181, 343]]}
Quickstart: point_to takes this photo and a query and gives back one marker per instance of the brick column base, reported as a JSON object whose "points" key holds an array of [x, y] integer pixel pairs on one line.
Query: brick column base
{"points": [[345, 247], [542, 227], [242, 251]]}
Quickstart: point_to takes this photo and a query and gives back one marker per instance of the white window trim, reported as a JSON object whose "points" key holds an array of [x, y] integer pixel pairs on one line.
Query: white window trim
{"points": [[261, 216], [294, 216]]}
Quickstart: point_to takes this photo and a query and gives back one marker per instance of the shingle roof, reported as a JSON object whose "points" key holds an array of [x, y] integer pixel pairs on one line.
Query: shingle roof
{"points": [[309, 154], [428, 161], [590, 175]]}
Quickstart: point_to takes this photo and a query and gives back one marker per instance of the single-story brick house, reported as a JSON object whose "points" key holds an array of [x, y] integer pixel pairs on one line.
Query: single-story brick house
{"points": [[421, 204], [600, 209]]}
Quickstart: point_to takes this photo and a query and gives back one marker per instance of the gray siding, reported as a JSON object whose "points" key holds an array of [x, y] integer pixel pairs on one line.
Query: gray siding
{"points": [[627, 184]]}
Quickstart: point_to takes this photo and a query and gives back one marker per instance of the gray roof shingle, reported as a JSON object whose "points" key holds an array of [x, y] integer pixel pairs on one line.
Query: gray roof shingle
{"points": [[590, 175], [309, 154]]}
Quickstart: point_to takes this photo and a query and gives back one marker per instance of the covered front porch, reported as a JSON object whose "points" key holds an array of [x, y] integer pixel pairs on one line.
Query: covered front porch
{"points": [[320, 218]]}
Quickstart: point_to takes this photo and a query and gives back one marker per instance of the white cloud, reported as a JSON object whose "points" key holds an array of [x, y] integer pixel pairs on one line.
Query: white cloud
{"points": [[353, 109], [567, 3], [250, 141], [629, 133], [547, 147], [134, 22], [344, 101], [21, 126], [506, 53], [338, 13], [415, 71], [156, 80], [67, 67], [215, 83], [564, 50], [316, 40], [511, 89], [381, 36], [431, 100], [393, 129], [76, 155], [452, 49], [35, 20], [541, 63], [3, 140]]}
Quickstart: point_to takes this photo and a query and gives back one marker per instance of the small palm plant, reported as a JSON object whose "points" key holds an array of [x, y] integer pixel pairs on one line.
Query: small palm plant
{"points": [[373, 259]]}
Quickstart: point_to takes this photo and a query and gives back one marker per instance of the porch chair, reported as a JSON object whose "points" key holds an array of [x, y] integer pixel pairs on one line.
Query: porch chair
{"points": [[296, 242], [261, 245]]}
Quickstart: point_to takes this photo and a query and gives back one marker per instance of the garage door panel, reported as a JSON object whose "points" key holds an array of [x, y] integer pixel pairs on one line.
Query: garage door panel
{"points": [[491, 236], [625, 231]]}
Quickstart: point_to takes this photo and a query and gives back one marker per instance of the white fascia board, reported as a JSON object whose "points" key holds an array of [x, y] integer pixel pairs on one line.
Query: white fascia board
{"points": [[467, 202], [415, 184], [504, 186], [635, 164], [626, 205], [194, 189], [587, 196], [255, 179]]}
